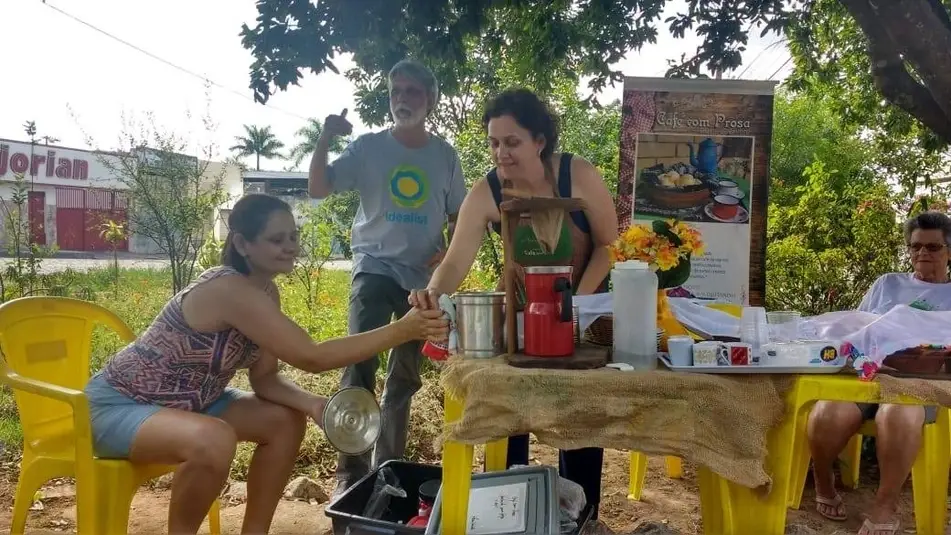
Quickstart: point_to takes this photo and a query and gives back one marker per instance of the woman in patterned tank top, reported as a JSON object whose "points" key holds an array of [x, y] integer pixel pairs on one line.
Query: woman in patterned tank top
{"points": [[523, 134], [164, 399]]}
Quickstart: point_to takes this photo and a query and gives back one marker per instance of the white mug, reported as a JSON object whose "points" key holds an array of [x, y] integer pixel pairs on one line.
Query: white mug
{"points": [[680, 350], [706, 353]]}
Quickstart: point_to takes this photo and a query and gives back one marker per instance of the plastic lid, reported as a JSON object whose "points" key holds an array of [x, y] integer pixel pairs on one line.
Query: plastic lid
{"points": [[632, 264], [429, 490]]}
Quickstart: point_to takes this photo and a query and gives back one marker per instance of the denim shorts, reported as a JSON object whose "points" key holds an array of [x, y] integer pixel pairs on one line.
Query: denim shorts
{"points": [[116, 418], [869, 410]]}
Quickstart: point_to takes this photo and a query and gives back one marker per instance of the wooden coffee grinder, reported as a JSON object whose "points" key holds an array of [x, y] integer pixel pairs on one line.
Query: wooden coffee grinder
{"points": [[586, 356]]}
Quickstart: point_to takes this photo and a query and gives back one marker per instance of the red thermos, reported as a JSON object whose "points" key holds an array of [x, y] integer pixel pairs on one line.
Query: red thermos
{"points": [[549, 328]]}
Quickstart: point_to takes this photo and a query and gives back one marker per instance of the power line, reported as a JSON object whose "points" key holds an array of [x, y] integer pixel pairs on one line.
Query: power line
{"points": [[169, 63], [781, 67], [761, 52]]}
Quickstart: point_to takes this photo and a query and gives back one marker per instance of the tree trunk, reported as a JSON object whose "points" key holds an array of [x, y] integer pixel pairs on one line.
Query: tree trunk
{"points": [[115, 266], [908, 45]]}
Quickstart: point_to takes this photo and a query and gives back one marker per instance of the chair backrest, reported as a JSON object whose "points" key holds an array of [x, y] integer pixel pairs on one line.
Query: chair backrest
{"points": [[48, 339]]}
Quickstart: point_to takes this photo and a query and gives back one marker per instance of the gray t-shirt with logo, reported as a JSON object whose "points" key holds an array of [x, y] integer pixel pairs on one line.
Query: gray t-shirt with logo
{"points": [[405, 196]]}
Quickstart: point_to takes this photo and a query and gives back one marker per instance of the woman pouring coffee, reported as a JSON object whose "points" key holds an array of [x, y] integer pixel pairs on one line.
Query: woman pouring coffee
{"points": [[522, 135]]}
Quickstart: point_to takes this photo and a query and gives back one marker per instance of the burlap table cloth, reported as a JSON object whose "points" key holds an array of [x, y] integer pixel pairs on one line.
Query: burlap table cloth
{"points": [[719, 421]]}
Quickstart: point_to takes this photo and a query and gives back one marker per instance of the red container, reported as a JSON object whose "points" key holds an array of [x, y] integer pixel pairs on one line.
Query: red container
{"points": [[438, 351], [549, 330], [427, 497]]}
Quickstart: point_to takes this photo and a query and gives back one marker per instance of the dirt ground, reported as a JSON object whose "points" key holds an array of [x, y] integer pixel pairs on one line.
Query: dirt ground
{"points": [[665, 501]]}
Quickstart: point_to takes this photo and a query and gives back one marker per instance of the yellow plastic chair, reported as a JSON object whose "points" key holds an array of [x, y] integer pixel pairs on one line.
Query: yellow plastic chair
{"points": [[673, 465], [929, 474], [638, 472], [45, 344]]}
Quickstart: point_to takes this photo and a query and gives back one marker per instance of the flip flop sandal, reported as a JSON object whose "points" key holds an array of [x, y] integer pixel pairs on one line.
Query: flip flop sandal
{"points": [[834, 503], [889, 528]]}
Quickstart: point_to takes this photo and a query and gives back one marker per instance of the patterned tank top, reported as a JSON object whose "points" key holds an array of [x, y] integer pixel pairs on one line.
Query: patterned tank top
{"points": [[175, 366]]}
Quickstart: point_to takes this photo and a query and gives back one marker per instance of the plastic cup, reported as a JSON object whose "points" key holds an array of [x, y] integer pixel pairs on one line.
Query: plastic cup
{"points": [[754, 331], [783, 325]]}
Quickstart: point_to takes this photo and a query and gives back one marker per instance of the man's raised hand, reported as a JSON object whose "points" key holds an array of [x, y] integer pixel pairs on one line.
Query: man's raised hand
{"points": [[338, 125]]}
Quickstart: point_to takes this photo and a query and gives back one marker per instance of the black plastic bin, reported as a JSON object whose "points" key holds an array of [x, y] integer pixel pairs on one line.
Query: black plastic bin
{"points": [[346, 511], [584, 519]]}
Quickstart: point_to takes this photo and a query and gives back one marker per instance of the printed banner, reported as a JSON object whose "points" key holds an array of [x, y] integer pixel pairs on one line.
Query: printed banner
{"points": [[698, 151]]}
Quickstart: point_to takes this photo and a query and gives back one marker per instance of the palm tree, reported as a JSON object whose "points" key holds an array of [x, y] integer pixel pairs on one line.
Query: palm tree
{"points": [[258, 141], [308, 136]]}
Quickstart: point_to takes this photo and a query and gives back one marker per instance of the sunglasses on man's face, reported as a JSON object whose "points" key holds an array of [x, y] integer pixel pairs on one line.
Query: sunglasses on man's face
{"points": [[930, 247]]}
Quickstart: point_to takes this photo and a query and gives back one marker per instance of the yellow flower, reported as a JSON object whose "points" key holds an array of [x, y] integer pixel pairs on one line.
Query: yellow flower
{"points": [[640, 242], [667, 258], [692, 242]]}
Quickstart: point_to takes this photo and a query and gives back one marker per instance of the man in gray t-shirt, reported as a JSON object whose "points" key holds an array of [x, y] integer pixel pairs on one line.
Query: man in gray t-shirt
{"points": [[410, 184]]}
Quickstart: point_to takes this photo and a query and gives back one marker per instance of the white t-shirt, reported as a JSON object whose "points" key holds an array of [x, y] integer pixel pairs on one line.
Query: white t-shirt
{"points": [[893, 289]]}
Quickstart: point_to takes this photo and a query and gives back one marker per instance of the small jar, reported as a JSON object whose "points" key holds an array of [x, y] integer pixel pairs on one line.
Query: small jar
{"points": [[427, 498]]}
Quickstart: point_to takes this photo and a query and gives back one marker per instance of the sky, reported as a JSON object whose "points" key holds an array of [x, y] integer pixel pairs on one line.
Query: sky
{"points": [[78, 84]]}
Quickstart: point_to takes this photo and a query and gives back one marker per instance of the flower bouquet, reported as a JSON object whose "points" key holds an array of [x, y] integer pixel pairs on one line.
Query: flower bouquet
{"points": [[667, 246]]}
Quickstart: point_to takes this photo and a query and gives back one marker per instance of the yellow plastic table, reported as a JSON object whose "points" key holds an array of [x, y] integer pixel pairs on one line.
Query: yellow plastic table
{"points": [[726, 507], [930, 471], [719, 497]]}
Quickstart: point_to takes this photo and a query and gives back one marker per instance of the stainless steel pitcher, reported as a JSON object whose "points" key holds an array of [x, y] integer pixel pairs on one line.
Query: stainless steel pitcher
{"points": [[480, 322]]}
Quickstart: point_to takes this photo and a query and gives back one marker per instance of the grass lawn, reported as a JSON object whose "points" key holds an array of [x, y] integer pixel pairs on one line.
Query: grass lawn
{"points": [[142, 294]]}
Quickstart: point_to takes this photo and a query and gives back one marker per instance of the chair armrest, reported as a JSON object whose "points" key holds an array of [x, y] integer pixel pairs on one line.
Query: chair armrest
{"points": [[75, 398], [40, 388]]}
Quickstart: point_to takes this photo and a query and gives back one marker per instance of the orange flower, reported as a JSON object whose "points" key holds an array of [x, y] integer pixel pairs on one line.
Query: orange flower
{"points": [[667, 258], [640, 242]]}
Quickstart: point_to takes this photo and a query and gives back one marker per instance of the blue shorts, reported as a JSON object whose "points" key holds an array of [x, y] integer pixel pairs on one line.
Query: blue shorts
{"points": [[116, 418]]}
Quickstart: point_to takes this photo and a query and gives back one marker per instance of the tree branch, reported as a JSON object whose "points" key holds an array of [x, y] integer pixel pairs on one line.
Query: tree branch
{"points": [[921, 35], [890, 74]]}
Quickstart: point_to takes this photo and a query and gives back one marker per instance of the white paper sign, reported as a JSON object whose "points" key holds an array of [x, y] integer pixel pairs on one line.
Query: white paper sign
{"points": [[494, 510]]}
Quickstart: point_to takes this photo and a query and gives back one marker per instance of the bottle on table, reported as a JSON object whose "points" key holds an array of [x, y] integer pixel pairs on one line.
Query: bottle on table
{"points": [[634, 298]]}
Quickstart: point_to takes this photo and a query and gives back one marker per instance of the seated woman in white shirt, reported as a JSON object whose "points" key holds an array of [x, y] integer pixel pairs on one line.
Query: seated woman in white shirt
{"points": [[898, 427]]}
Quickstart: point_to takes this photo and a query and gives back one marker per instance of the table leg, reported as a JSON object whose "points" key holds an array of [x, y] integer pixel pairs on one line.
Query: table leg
{"points": [[456, 477], [801, 456], [740, 510], [495, 455], [674, 465], [715, 505]]}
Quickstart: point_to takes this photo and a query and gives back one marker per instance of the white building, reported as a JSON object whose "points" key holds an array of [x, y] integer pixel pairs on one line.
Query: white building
{"points": [[290, 186], [71, 192]]}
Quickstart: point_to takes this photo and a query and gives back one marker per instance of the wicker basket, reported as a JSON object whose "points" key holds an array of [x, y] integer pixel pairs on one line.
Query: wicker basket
{"points": [[601, 331], [677, 198]]}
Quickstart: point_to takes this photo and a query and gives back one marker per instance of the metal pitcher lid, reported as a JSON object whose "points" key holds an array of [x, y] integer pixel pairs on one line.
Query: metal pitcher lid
{"points": [[478, 297], [352, 421], [548, 270]]}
